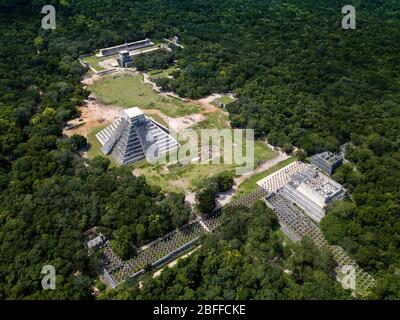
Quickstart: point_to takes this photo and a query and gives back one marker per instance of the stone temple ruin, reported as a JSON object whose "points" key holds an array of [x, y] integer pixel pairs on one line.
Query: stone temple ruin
{"points": [[124, 59], [133, 137], [298, 194], [312, 191], [327, 161], [294, 220], [125, 47], [302, 185]]}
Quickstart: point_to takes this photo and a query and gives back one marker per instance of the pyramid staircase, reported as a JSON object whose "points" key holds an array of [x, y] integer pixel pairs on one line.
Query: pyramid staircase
{"points": [[109, 135], [128, 148], [156, 140], [134, 137]]}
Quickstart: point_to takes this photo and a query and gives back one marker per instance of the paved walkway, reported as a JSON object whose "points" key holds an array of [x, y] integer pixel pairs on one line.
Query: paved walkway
{"points": [[226, 197]]}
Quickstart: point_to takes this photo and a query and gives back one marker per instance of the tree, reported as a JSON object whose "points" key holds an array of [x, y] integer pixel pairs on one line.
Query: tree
{"points": [[288, 148], [39, 43], [244, 259], [301, 155], [123, 243], [205, 200], [79, 142], [208, 189]]}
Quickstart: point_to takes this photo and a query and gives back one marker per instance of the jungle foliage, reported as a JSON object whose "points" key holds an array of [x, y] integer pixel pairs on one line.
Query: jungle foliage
{"points": [[245, 259], [300, 80]]}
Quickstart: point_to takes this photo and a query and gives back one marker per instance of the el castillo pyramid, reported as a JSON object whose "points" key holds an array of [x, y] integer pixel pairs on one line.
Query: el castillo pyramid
{"points": [[133, 137]]}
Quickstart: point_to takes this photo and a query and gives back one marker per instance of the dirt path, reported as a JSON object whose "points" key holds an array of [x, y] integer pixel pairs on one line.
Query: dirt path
{"points": [[206, 104], [166, 94], [177, 124], [146, 79], [225, 197], [190, 197], [89, 79]]}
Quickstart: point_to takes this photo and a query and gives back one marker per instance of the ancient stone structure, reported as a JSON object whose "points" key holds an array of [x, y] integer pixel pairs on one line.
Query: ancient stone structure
{"points": [[327, 161], [125, 47], [124, 59], [134, 137]]}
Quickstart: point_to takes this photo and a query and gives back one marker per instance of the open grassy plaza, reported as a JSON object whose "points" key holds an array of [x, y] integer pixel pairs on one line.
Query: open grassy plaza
{"points": [[183, 177], [224, 101], [127, 90], [178, 177]]}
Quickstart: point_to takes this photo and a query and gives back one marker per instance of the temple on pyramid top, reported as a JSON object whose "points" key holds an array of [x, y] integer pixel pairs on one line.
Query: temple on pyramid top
{"points": [[133, 137]]}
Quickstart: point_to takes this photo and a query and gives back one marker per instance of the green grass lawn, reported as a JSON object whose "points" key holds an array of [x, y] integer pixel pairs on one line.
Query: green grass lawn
{"points": [[226, 100], [128, 90], [250, 184], [154, 72], [161, 73], [215, 120], [262, 151], [94, 62], [180, 177], [174, 178]]}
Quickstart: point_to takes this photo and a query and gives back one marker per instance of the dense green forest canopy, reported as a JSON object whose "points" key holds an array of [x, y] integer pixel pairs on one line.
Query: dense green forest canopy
{"points": [[245, 259], [159, 60], [300, 80]]}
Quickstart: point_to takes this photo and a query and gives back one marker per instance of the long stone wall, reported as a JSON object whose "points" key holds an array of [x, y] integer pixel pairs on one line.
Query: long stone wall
{"points": [[294, 223]]}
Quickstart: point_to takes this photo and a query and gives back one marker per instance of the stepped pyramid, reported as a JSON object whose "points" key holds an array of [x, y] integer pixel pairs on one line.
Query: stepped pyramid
{"points": [[134, 137]]}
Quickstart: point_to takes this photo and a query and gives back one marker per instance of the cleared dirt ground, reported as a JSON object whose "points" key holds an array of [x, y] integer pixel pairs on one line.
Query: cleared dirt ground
{"points": [[92, 115]]}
